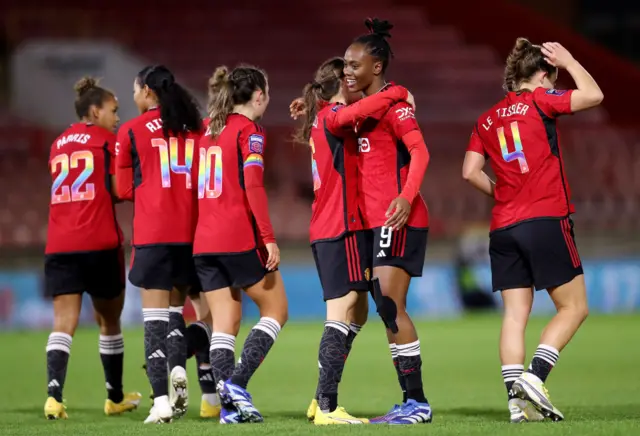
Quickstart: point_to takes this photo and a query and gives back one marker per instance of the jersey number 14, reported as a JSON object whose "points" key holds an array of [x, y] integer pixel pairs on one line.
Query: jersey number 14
{"points": [[169, 159], [518, 153]]}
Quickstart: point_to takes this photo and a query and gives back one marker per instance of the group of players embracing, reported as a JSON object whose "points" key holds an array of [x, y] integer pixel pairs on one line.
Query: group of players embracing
{"points": [[201, 227]]}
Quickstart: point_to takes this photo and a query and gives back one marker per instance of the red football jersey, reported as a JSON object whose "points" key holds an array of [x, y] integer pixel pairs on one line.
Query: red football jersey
{"points": [[233, 213], [384, 164], [156, 173], [81, 212], [334, 163], [521, 140]]}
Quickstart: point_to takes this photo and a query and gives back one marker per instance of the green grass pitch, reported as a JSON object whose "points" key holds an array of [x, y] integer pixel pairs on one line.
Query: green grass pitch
{"points": [[596, 383]]}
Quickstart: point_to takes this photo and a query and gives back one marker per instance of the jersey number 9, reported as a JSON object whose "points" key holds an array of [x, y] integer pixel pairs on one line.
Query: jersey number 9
{"points": [[169, 159], [75, 192], [207, 156]]}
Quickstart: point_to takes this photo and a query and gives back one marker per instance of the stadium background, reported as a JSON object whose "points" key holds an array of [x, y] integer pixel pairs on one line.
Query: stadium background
{"points": [[448, 60], [450, 55]]}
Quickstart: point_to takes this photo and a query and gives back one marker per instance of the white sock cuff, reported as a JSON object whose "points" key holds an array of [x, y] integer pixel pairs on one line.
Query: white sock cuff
{"points": [[268, 325], [340, 326], [547, 353], [511, 372], [176, 309], [59, 341], [411, 349], [155, 315], [355, 328], [111, 345], [222, 340], [394, 350]]}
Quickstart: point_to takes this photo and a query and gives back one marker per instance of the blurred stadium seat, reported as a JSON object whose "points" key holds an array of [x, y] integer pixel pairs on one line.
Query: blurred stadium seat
{"points": [[453, 82]]}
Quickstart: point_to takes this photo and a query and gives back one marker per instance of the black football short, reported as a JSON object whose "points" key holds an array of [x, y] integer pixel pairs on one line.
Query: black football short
{"points": [[99, 273], [540, 253], [236, 270], [343, 264], [404, 248], [162, 267]]}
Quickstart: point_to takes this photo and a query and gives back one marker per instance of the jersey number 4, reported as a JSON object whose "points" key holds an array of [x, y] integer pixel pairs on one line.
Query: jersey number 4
{"points": [[169, 159], [67, 194], [210, 158], [518, 153]]}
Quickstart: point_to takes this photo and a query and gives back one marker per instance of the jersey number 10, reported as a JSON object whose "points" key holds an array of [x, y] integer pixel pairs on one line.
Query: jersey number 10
{"points": [[207, 156], [169, 159], [75, 193], [518, 153]]}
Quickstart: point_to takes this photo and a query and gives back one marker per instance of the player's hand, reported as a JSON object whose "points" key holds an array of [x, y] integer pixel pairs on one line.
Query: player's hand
{"points": [[398, 213], [274, 256], [297, 108], [556, 55], [411, 100]]}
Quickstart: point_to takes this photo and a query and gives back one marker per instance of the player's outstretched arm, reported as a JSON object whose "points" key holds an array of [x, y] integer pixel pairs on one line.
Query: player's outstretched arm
{"points": [[588, 94], [472, 172], [374, 106]]}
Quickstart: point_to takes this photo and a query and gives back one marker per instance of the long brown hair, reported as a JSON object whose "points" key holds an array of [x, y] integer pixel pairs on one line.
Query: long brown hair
{"points": [[327, 83], [525, 60], [227, 89]]}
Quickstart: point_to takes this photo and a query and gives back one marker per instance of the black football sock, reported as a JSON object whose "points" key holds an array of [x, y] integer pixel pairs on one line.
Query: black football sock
{"points": [[198, 337], [354, 329], [544, 359], [410, 364], [58, 349], [331, 360], [176, 343], [221, 355], [256, 347], [112, 357], [510, 374], [401, 381], [156, 324]]}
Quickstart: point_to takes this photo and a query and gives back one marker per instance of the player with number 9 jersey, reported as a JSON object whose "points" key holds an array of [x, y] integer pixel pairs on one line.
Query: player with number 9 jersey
{"points": [[388, 149], [154, 169]]}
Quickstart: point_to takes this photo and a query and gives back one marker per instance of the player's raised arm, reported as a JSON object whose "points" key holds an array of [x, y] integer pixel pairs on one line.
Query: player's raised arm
{"points": [[588, 94], [474, 161], [374, 106], [124, 166]]}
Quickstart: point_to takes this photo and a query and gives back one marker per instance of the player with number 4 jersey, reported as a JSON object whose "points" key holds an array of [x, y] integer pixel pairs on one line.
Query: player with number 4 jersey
{"points": [[532, 242]]}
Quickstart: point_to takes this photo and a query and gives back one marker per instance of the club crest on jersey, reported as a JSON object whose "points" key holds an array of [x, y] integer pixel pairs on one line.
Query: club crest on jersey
{"points": [[405, 113], [556, 92], [256, 143]]}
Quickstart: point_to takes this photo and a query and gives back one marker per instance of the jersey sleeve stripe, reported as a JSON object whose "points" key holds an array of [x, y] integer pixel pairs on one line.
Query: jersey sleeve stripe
{"points": [[254, 160]]}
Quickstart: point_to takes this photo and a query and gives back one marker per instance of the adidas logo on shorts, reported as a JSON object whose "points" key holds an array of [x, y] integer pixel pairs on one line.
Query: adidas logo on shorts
{"points": [[382, 254]]}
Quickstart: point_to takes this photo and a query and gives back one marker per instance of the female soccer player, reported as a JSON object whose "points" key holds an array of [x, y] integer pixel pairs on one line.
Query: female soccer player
{"points": [[234, 246], [532, 241], [393, 159], [82, 168], [337, 239], [154, 158]]}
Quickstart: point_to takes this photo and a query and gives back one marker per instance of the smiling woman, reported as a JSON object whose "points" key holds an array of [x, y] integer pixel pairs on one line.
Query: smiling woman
{"points": [[392, 160]]}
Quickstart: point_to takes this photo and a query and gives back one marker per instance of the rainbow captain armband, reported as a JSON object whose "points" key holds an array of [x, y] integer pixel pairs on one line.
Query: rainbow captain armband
{"points": [[254, 160]]}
